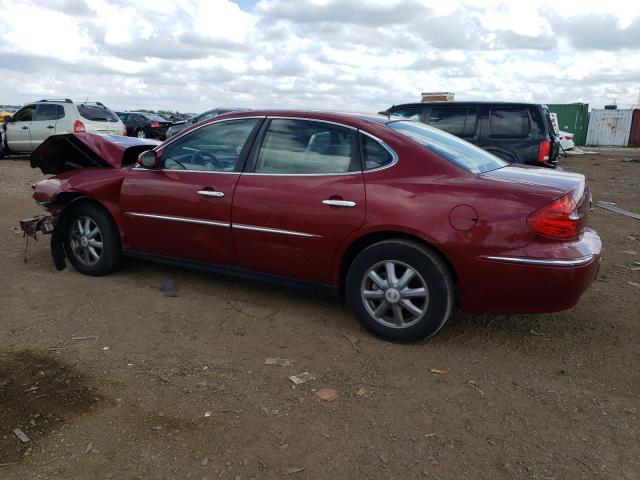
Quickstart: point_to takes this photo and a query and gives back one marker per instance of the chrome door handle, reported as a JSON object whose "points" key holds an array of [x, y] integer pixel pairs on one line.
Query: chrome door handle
{"points": [[339, 203], [210, 193]]}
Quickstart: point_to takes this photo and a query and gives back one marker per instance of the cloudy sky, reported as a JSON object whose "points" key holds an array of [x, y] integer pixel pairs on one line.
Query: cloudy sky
{"points": [[361, 55]]}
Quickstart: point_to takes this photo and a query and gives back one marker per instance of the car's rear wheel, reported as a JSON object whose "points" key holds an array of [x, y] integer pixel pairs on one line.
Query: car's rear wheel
{"points": [[140, 133], [400, 290], [91, 240]]}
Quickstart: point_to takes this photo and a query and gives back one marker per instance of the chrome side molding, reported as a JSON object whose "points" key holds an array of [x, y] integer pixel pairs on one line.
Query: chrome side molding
{"points": [[274, 230], [171, 218], [545, 262]]}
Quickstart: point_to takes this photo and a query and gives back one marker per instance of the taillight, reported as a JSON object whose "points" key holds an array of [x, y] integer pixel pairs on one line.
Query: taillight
{"points": [[155, 124], [544, 149], [124, 132], [559, 219], [568, 137], [78, 127]]}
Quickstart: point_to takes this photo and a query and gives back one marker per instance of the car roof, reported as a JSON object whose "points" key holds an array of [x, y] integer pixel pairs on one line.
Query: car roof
{"points": [[356, 120], [471, 102]]}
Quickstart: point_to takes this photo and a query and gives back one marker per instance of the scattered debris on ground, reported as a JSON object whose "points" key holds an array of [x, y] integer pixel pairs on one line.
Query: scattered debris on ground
{"points": [[281, 362], [169, 289], [612, 207], [21, 435], [302, 378], [327, 394]]}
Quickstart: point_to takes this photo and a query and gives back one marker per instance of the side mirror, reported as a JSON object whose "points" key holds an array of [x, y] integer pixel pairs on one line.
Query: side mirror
{"points": [[149, 159]]}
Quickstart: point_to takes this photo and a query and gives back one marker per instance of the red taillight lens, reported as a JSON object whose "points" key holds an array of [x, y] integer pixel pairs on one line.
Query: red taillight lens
{"points": [[559, 219], [124, 132], [78, 127], [155, 124], [544, 149]]}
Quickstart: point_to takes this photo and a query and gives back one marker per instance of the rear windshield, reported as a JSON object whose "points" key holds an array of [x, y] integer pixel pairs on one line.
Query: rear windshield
{"points": [[97, 113], [154, 118], [457, 151]]}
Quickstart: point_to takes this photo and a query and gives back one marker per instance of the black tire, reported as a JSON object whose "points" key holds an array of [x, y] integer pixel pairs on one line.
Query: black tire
{"points": [[109, 255], [429, 271]]}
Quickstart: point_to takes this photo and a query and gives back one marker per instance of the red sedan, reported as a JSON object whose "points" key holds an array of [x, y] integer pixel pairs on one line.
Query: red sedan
{"points": [[405, 220]]}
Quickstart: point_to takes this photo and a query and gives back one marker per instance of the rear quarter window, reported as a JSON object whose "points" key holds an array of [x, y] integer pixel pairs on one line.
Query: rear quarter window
{"points": [[97, 113], [374, 155], [509, 122]]}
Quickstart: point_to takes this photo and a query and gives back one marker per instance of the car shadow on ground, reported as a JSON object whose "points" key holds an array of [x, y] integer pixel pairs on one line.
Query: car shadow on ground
{"points": [[461, 328]]}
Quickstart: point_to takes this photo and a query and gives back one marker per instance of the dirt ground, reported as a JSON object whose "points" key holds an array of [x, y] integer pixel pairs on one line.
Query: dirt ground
{"points": [[176, 387]]}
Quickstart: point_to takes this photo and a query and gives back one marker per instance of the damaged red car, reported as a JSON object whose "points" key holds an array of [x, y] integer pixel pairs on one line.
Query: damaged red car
{"points": [[406, 221]]}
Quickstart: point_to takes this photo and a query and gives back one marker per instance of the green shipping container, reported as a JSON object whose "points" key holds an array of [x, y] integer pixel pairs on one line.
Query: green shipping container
{"points": [[572, 118]]}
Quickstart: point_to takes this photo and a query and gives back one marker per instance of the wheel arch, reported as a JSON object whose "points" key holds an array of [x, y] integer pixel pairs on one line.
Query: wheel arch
{"points": [[72, 198], [359, 244]]}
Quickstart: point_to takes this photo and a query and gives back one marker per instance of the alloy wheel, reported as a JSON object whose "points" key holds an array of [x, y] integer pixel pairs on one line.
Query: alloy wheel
{"points": [[86, 240], [394, 294]]}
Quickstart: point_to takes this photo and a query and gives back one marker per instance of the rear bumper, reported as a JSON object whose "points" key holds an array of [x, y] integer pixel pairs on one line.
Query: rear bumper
{"points": [[533, 280]]}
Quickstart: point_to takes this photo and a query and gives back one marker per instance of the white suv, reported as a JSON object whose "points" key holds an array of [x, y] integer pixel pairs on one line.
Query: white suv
{"points": [[35, 122]]}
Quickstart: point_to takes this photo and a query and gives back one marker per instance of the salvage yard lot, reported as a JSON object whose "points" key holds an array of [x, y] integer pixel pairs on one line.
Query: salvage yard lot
{"points": [[176, 386]]}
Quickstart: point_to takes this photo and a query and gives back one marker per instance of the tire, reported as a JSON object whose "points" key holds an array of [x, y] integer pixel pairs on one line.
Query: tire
{"points": [[3, 148], [429, 308], [86, 255], [140, 133]]}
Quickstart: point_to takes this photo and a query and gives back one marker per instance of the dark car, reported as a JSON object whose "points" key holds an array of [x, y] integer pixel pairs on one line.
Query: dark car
{"points": [[515, 132], [405, 220], [179, 126], [145, 125]]}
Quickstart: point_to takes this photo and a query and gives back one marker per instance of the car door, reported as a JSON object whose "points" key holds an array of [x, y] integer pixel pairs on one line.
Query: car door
{"points": [[183, 209], [45, 122], [18, 135], [301, 194]]}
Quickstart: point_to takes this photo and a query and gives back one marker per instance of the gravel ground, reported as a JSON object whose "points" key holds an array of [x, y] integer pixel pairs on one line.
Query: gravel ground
{"points": [[177, 387]]}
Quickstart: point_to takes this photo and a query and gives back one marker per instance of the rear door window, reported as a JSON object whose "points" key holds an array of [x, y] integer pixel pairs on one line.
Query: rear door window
{"points": [[49, 112], [303, 147], [509, 123], [97, 113]]}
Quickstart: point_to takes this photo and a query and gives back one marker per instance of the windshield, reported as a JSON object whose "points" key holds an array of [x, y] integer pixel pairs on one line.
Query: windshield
{"points": [[463, 154], [97, 113]]}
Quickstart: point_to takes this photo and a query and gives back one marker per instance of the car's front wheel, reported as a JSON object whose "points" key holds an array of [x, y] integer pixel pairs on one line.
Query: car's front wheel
{"points": [[91, 240], [400, 290]]}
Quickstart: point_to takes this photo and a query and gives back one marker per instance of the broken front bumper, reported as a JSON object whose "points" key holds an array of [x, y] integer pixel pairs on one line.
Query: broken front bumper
{"points": [[46, 224], [40, 223]]}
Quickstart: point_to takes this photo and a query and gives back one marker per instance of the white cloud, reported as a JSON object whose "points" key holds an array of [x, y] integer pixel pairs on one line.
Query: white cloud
{"points": [[332, 54]]}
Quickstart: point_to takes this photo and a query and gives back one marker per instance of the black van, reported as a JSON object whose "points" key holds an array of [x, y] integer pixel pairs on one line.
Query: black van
{"points": [[515, 132]]}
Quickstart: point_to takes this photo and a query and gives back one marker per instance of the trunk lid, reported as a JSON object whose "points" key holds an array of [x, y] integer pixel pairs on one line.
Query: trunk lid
{"points": [[562, 182], [61, 153]]}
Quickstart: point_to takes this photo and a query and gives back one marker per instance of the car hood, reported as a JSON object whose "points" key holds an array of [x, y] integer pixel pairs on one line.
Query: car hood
{"points": [[564, 182], [61, 153]]}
